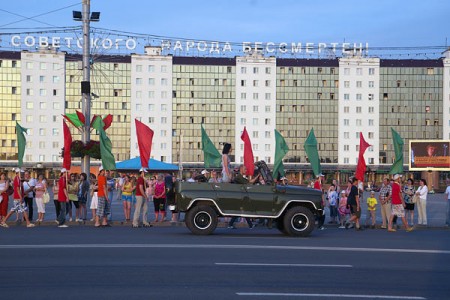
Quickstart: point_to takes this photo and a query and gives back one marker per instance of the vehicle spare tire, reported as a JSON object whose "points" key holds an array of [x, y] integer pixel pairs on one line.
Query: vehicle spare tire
{"points": [[298, 221], [201, 220]]}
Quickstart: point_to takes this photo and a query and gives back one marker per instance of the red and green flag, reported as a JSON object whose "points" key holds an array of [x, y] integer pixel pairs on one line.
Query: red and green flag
{"points": [[76, 119], [97, 120], [212, 156], [281, 149], [361, 167], [310, 147], [144, 138], [108, 161], [67, 159], [397, 167], [249, 160], [21, 143]]}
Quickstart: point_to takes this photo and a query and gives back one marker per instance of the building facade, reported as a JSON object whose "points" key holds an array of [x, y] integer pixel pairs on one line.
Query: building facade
{"points": [[338, 98]]}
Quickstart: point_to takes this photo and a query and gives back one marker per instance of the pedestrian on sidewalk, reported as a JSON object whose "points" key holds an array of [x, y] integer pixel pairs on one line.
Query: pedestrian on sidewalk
{"points": [[355, 206], [408, 193], [141, 201], [104, 204], [385, 200], [422, 191], [371, 210], [63, 198], [398, 205]]}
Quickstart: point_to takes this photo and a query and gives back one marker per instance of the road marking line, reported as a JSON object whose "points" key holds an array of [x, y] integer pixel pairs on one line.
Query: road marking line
{"points": [[215, 246], [330, 295], [284, 265]]}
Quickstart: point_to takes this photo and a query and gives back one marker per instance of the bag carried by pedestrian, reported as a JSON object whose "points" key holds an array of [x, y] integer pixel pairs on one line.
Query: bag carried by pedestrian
{"points": [[415, 199], [46, 197]]}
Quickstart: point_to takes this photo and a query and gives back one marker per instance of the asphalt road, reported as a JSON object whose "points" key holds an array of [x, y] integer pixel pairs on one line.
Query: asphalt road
{"points": [[82, 262]]}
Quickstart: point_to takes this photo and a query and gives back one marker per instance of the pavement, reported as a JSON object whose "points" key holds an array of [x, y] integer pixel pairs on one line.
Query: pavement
{"points": [[436, 213]]}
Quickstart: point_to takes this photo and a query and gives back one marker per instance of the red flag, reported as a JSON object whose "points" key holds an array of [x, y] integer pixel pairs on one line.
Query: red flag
{"points": [[249, 161], [81, 117], [361, 168], [107, 121], [93, 120], [144, 138], [67, 160]]}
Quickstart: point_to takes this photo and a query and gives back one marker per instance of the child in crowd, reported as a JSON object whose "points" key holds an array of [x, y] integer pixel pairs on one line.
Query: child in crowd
{"points": [[333, 202], [371, 210], [343, 210]]}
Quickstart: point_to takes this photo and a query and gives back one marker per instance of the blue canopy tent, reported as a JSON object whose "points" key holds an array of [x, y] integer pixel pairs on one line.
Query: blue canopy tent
{"points": [[134, 164]]}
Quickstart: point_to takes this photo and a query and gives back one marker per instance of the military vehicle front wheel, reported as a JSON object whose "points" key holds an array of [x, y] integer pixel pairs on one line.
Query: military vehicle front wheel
{"points": [[201, 220], [298, 221]]}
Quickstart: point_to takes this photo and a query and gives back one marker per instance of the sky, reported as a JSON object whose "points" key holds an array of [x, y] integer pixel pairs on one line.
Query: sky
{"points": [[381, 23]]}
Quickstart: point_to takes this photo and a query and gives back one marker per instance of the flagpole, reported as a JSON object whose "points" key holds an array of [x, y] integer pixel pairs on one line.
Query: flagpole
{"points": [[180, 158]]}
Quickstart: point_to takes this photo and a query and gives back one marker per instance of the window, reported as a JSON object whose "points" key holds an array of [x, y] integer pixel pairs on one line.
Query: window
{"points": [[346, 71], [346, 109], [268, 70], [42, 119], [346, 122], [255, 108], [255, 82], [385, 96], [346, 147], [371, 71], [42, 105], [371, 84], [255, 121], [163, 133], [346, 160], [427, 109], [243, 70], [358, 97], [151, 107], [29, 92], [29, 65], [267, 134], [267, 121], [346, 84], [358, 122], [243, 121], [371, 96], [243, 83], [55, 92], [371, 122], [29, 105], [243, 95], [151, 81], [138, 107], [42, 131], [164, 69], [346, 96], [255, 134], [29, 78], [267, 108], [55, 131], [346, 135], [151, 120], [13, 90], [243, 108], [267, 147], [56, 105], [371, 135], [430, 71], [138, 81], [255, 70], [151, 68], [359, 84], [42, 92], [164, 95], [371, 109], [43, 66], [359, 71], [255, 96], [55, 79], [164, 81], [29, 118], [358, 109], [151, 94], [267, 96], [163, 107], [14, 64]]}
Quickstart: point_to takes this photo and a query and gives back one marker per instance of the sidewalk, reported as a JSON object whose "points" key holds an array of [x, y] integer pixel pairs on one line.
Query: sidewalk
{"points": [[436, 213]]}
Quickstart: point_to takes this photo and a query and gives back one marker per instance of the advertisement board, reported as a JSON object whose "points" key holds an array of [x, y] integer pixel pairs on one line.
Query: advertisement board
{"points": [[429, 155]]}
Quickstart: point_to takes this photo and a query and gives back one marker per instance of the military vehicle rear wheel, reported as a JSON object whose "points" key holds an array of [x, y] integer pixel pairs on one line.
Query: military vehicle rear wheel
{"points": [[299, 221]]}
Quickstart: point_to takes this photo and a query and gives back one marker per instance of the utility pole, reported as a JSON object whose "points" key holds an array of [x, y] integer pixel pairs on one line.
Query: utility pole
{"points": [[86, 83]]}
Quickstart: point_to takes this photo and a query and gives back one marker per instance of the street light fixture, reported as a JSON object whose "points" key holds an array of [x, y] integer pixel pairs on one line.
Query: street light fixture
{"points": [[78, 16]]}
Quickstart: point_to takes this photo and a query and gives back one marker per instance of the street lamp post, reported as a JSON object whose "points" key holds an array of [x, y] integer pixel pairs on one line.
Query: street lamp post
{"points": [[86, 84], [86, 17]]}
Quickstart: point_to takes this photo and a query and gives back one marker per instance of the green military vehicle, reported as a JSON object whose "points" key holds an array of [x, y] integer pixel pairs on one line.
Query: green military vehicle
{"points": [[293, 208]]}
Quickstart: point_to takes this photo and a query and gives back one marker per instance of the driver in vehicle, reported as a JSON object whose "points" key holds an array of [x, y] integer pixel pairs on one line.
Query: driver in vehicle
{"points": [[242, 179]]}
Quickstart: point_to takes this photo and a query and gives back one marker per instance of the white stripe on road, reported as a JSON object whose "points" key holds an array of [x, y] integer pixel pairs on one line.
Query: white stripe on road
{"points": [[283, 265], [329, 295], [208, 246]]}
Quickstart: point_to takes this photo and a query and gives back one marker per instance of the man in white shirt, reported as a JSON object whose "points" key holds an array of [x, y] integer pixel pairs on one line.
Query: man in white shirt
{"points": [[28, 193], [447, 194]]}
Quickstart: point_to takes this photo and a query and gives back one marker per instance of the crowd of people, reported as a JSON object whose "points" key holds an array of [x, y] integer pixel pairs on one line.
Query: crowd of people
{"points": [[73, 192], [71, 195]]}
